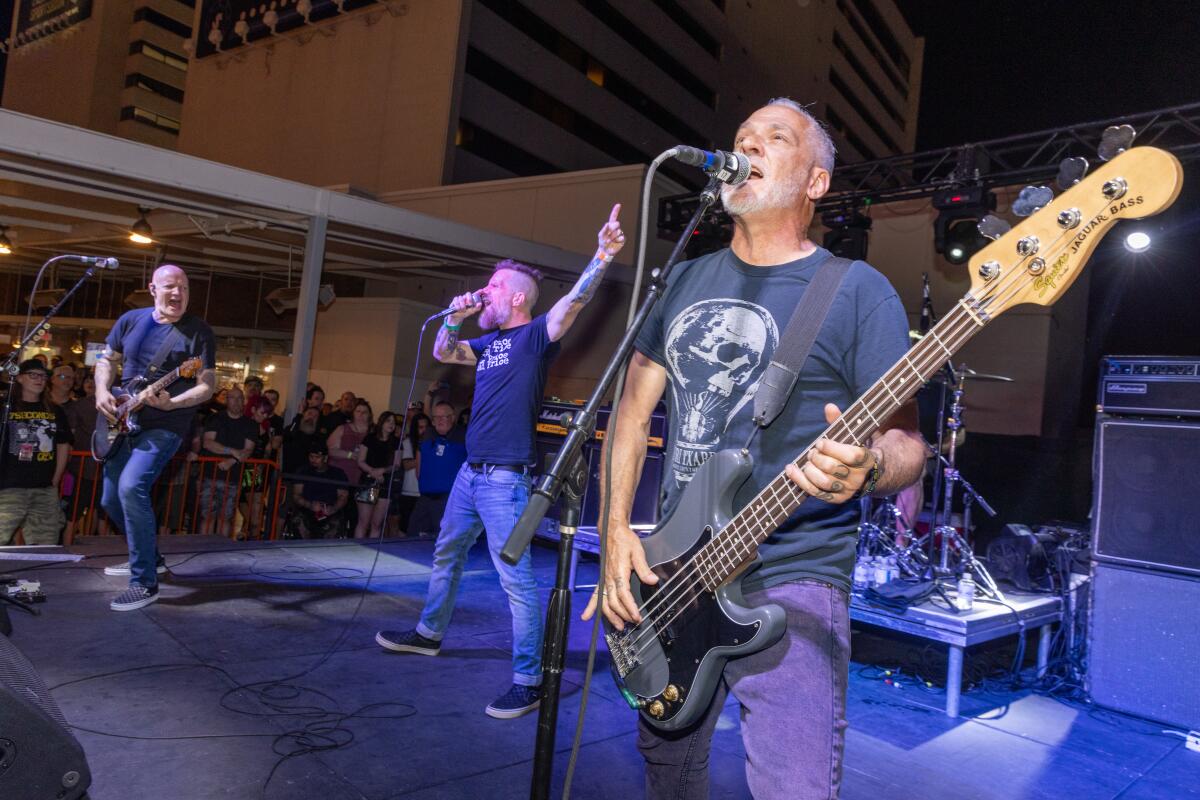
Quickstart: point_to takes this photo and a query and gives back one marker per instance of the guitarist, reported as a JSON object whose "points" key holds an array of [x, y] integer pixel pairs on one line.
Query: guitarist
{"points": [[134, 343], [709, 341]]}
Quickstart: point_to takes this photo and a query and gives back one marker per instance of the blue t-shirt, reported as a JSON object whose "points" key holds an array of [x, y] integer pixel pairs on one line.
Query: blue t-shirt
{"points": [[441, 459], [715, 331], [510, 377], [136, 336]]}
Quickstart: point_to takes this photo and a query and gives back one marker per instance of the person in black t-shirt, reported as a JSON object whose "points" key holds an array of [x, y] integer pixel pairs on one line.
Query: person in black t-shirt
{"points": [[319, 495], [132, 345], [491, 488], [232, 436], [378, 457], [37, 445]]}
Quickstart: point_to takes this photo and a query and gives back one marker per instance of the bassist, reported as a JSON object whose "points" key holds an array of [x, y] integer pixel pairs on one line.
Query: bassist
{"points": [[706, 345], [168, 333]]}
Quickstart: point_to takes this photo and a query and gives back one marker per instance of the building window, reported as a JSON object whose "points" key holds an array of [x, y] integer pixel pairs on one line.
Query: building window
{"points": [[546, 35], [889, 69], [883, 32], [158, 54], [838, 124], [691, 27], [490, 147], [865, 77], [160, 20], [844, 90], [163, 123], [156, 86], [652, 50]]}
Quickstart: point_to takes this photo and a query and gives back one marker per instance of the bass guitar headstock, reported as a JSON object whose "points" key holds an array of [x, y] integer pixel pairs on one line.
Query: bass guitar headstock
{"points": [[1041, 256]]}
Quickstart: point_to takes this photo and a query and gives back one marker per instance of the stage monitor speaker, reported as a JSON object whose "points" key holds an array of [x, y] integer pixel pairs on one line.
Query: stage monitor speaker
{"points": [[1147, 480], [1142, 644], [39, 758]]}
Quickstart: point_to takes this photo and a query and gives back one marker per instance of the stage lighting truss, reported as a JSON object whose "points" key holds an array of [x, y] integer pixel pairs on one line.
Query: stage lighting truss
{"points": [[955, 232]]}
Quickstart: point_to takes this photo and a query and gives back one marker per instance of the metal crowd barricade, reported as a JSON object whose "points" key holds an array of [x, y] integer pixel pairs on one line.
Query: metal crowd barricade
{"points": [[188, 497]]}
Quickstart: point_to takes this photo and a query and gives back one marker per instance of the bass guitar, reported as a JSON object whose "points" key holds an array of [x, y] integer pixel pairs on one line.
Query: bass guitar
{"points": [[696, 618], [108, 435]]}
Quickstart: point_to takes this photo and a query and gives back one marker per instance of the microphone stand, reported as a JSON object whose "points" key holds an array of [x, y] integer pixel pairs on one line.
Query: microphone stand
{"points": [[12, 363], [566, 461]]}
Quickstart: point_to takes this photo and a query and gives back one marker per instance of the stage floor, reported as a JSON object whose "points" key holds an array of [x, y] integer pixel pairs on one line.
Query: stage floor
{"points": [[145, 691]]}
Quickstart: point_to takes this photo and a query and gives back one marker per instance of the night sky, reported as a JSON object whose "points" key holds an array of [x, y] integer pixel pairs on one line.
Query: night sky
{"points": [[996, 69]]}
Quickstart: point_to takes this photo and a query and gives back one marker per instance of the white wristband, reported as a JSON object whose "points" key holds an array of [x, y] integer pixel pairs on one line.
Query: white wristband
{"points": [[603, 255]]}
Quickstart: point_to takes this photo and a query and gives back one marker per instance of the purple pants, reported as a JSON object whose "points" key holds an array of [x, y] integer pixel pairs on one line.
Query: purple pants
{"points": [[793, 707]]}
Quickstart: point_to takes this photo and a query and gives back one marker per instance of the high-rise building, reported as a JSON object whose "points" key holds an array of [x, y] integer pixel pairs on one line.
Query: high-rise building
{"points": [[114, 66], [387, 95]]}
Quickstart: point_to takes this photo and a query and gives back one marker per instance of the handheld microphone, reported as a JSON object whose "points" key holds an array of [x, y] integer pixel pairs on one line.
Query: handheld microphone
{"points": [[103, 262], [730, 168], [476, 300]]}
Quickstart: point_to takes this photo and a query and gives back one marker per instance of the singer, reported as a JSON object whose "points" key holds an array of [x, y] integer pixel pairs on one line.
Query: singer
{"points": [[708, 342], [149, 342], [492, 487]]}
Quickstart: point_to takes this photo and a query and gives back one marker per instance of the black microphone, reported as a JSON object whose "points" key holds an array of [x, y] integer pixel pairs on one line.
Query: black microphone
{"points": [[103, 262], [476, 300], [731, 168]]}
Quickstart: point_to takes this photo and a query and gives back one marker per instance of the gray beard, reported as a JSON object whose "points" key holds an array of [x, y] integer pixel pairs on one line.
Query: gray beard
{"points": [[780, 195], [493, 317]]}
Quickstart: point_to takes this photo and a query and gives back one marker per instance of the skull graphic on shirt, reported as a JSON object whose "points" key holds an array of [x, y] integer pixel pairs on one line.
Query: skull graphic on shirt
{"points": [[716, 352]]}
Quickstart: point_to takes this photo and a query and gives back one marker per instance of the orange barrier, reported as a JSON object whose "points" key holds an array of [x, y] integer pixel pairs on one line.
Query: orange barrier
{"points": [[192, 495]]}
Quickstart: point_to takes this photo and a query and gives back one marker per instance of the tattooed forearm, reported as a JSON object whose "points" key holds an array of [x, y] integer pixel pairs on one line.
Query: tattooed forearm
{"points": [[446, 344], [585, 288]]}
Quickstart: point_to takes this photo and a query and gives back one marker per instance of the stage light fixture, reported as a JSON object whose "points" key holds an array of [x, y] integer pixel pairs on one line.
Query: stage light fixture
{"points": [[847, 234], [141, 232], [6, 246], [1137, 242], [955, 234]]}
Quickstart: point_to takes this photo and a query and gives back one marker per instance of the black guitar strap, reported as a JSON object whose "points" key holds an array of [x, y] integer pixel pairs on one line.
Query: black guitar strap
{"points": [[796, 343]]}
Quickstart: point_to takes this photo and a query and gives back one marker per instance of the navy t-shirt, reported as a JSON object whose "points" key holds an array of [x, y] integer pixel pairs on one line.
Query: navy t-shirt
{"points": [[715, 332], [137, 339], [510, 377], [441, 459]]}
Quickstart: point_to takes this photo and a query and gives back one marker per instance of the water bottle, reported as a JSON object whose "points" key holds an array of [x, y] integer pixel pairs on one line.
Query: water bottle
{"points": [[893, 569], [881, 573], [966, 592], [861, 575]]}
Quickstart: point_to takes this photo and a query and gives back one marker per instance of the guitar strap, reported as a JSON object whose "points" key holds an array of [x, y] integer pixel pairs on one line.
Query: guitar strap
{"points": [[779, 380]]}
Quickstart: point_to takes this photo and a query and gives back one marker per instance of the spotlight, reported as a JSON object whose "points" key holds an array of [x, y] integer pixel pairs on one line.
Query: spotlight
{"points": [[6, 246], [959, 210], [141, 232], [1137, 242], [847, 235]]}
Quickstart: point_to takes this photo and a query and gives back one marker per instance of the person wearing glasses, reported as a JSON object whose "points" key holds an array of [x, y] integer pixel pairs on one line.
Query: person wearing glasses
{"points": [[37, 445]]}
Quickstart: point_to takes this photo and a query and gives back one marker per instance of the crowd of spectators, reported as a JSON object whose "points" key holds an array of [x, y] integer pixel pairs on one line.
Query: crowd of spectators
{"points": [[335, 470]]}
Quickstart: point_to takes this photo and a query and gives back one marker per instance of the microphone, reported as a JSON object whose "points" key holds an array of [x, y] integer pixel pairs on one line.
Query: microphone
{"points": [[730, 168], [103, 262], [476, 300]]}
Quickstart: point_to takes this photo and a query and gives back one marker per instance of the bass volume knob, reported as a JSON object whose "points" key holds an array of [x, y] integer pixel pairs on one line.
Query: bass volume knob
{"points": [[671, 693], [656, 709]]}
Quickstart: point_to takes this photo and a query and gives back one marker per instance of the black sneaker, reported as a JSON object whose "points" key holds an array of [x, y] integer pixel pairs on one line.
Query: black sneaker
{"points": [[517, 701], [123, 569], [135, 597], [407, 642]]}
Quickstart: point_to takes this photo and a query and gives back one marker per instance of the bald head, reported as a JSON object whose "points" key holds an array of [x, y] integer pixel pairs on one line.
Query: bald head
{"points": [[169, 288]]}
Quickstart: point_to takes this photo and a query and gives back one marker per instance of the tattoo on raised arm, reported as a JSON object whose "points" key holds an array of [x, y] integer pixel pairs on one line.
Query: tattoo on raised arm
{"points": [[589, 281]]}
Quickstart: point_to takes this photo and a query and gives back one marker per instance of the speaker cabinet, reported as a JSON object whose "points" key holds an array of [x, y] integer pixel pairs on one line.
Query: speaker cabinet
{"points": [[1147, 487], [1143, 641], [39, 758]]}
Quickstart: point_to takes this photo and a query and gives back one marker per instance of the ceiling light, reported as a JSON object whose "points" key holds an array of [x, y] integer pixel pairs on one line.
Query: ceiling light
{"points": [[141, 232], [6, 246]]}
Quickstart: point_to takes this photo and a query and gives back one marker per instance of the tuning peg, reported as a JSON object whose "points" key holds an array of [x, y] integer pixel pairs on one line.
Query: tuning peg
{"points": [[1030, 199], [1071, 172], [1115, 140], [992, 227]]}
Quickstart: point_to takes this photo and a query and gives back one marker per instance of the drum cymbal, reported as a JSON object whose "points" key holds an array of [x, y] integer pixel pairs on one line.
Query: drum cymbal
{"points": [[982, 376]]}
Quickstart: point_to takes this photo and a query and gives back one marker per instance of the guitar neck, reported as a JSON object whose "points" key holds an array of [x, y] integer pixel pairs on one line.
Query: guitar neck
{"points": [[738, 541], [158, 385]]}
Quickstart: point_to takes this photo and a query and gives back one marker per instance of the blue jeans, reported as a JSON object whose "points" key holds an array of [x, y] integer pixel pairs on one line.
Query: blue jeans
{"points": [[128, 476], [491, 500], [793, 707]]}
